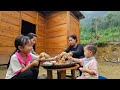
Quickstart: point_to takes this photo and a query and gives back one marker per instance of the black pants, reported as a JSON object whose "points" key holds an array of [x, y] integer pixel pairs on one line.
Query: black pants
{"points": [[31, 73]]}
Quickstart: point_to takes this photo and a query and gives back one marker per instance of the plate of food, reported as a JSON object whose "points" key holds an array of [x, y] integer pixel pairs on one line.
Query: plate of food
{"points": [[58, 65], [62, 62]]}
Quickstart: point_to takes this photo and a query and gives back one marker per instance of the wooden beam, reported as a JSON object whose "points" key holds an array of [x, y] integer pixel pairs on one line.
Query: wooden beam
{"points": [[68, 26]]}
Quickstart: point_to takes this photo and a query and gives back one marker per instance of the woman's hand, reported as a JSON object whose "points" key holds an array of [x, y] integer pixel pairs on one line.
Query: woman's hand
{"points": [[57, 58], [70, 54], [63, 53]]}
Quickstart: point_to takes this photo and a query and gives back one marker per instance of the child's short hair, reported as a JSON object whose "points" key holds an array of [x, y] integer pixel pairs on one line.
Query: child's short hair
{"points": [[31, 35], [92, 48]]}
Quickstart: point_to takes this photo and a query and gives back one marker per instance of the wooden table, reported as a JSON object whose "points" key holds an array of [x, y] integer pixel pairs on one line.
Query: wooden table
{"points": [[61, 73]]}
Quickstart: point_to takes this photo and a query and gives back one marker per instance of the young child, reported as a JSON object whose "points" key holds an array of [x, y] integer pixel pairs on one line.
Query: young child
{"points": [[23, 64], [89, 63], [32, 37]]}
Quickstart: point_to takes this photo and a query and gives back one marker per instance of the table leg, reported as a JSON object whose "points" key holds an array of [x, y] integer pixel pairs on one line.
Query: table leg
{"points": [[49, 74], [61, 74], [73, 74], [58, 74]]}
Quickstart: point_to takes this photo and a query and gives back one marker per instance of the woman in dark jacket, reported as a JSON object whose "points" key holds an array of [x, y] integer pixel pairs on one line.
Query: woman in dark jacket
{"points": [[75, 49]]}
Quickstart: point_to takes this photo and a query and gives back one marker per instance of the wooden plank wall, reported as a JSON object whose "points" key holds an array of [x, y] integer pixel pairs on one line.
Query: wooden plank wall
{"points": [[38, 19], [56, 33], [29, 16], [40, 32], [74, 27], [10, 28], [52, 31]]}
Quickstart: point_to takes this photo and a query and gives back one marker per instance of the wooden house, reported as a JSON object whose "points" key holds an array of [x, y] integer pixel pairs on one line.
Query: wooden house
{"points": [[51, 27]]}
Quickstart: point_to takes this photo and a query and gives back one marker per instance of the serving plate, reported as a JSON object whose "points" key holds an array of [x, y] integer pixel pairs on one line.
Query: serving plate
{"points": [[53, 66]]}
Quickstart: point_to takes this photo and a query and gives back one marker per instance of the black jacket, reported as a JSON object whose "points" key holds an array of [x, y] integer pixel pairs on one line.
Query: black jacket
{"points": [[78, 51]]}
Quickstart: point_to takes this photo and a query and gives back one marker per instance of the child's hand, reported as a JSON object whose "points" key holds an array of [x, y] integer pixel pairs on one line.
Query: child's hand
{"points": [[71, 59], [82, 69], [35, 63]]}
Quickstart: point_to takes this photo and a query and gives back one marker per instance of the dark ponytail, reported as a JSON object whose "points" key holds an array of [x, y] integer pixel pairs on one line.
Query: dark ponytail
{"points": [[10, 58]]}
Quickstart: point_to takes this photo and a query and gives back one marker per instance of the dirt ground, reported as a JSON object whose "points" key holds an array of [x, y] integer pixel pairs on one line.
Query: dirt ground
{"points": [[108, 69], [108, 59], [109, 53]]}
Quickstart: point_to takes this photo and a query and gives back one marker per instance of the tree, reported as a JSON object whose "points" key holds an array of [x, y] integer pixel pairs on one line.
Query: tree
{"points": [[95, 26]]}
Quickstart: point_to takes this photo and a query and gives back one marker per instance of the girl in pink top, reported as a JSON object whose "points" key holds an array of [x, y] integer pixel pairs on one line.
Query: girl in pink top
{"points": [[89, 63], [23, 64]]}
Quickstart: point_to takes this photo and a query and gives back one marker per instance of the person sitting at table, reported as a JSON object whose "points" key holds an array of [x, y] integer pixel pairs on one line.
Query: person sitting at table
{"points": [[89, 63], [23, 64], [33, 38], [75, 49]]}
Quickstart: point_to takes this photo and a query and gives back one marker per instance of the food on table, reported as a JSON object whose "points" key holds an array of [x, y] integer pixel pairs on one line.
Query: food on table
{"points": [[47, 64], [62, 60], [43, 54]]}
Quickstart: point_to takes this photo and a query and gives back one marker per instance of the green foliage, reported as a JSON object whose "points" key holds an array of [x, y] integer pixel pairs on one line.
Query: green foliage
{"points": [[102, 29]]}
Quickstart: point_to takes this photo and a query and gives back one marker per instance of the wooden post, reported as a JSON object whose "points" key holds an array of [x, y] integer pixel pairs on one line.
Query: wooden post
{"points": [[68, 26], [0, 21], [36, 29], [20, 23]]}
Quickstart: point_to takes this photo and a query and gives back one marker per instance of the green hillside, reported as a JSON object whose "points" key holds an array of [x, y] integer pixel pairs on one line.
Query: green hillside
{"points": [[100, 28]]}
